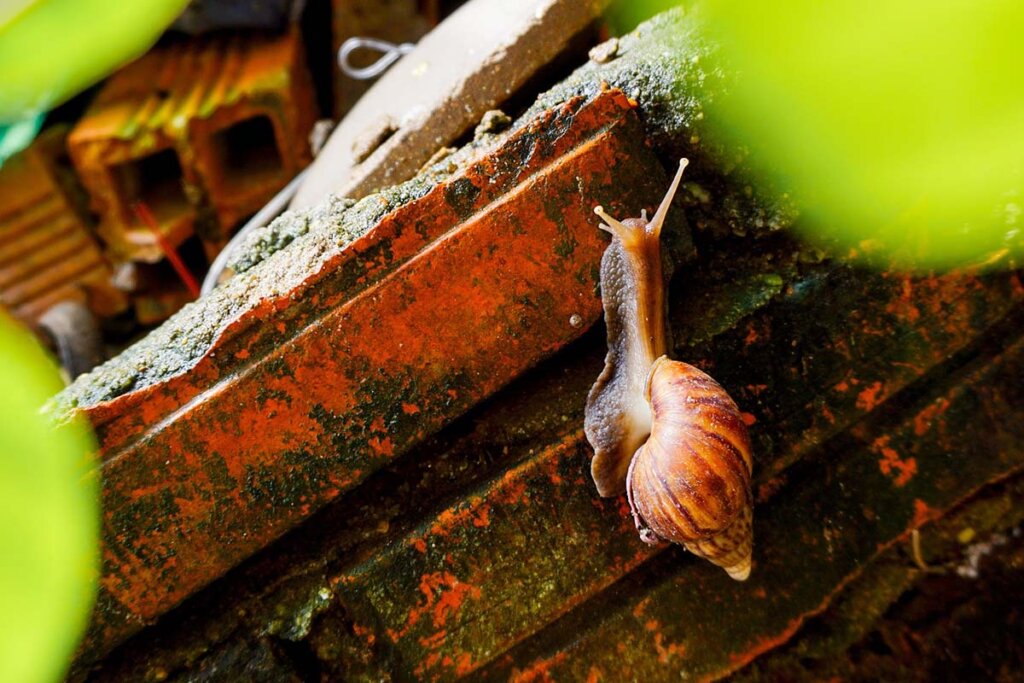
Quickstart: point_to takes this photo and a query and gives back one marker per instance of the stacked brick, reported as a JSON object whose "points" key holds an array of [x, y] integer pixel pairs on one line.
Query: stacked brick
{"points": [[48, 253], [202, 132]]}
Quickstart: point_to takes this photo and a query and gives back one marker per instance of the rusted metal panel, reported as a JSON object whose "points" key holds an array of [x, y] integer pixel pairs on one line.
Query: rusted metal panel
{"points": [[219, 122], [47, 252], [443, 302], [814, 540]]}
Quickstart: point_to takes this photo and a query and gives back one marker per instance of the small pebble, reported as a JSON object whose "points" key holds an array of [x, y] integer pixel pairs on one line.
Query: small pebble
{"points": [[605, 52]]}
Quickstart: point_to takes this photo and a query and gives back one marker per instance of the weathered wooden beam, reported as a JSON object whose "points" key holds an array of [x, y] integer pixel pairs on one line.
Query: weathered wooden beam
{"points": [[309, 391]]}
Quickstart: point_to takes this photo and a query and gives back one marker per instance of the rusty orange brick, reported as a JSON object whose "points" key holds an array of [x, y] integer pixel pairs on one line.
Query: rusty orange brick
{"points": [[510, 558], [815, 537], [47, 252], [218, 121], [303, 396]]}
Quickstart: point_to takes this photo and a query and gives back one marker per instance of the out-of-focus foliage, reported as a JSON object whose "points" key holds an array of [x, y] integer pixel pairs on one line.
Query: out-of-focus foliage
{"points": [[899, 126], [17, 136], [52, 49], [48, 519]]}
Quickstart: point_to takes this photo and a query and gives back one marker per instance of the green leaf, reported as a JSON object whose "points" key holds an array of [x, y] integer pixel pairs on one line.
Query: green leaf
{"points": [[897, 125], [49, 519], [52, 49]]}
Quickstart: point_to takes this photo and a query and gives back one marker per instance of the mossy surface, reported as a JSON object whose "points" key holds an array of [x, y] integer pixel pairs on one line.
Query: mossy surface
{"points": [[664, 66]]}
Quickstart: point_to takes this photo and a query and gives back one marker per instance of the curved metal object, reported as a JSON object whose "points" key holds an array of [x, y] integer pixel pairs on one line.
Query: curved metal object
{"points": [[471, 63]]}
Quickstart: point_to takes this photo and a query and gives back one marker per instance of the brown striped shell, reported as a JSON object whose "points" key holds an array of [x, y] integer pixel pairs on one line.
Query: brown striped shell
{"points": [[690, 482]]}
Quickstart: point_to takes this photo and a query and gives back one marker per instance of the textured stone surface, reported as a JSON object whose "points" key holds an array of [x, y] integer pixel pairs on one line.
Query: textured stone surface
{"points": [[443, 302], [879, 402]]}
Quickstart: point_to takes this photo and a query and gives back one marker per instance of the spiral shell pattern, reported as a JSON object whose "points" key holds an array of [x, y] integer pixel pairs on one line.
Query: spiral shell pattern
{"points": [[690, 482]]}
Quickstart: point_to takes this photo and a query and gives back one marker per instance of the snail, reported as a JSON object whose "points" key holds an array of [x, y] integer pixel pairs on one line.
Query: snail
{"points": [[662, 430]]}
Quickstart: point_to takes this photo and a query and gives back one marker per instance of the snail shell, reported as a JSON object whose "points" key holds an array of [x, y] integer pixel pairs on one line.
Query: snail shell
{"points": [[663, 431], [690, 482]]}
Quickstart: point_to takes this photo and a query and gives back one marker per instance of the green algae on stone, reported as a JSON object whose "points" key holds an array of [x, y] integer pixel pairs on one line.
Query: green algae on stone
{"points": [[670, 68], [661, 65], [263, 242]]}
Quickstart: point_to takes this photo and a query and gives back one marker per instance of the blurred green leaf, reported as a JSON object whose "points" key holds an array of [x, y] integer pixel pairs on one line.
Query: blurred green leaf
{"points": [[17, 136], [48, 519], [899, 126], [52, 49]]}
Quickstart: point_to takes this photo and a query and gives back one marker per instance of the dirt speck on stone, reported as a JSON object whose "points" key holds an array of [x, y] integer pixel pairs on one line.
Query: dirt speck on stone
{"points": [[373, 137], [605, 52], [494, 121]]}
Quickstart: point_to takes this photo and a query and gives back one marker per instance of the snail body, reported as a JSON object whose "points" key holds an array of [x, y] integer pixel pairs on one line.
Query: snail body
{"points": [[663, 431]]}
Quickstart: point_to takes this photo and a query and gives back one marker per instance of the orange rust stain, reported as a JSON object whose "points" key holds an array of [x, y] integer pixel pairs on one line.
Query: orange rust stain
{"points": [[923, 513], [923, 420], [761, 593], [551, 469], [434, 641], [364, 632], [539, 672], [594, 675], [410, 409], [431, 661], [752, 335], [898, 469], [842, 387], [420, 545], [450, 602], [869, 398], [638, 611], [377, 425], [382, 447], [512, 490], [748, 419], [669, 650], [756, 389], [477, 513], [482, 517], [903, 307], [242, 354], [464, 664], [443, 595]]}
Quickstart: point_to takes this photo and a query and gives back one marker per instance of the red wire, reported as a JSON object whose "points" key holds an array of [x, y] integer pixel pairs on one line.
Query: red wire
{"points": [[147, 217]]}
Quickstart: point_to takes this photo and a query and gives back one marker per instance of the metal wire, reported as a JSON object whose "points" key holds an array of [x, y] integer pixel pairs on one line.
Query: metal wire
{"points": [[390, 53]]}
